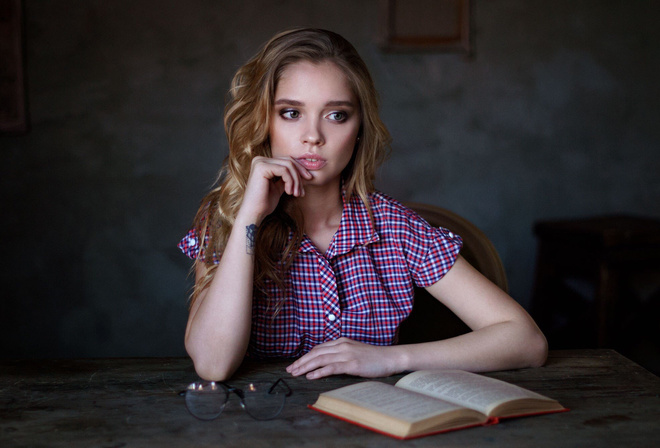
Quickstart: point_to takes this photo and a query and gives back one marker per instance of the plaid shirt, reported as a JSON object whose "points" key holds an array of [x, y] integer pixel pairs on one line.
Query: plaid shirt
{"points": [[361, 288]]}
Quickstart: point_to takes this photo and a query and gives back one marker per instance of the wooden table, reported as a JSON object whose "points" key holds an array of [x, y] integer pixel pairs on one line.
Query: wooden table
{"points": [[135, 402]]}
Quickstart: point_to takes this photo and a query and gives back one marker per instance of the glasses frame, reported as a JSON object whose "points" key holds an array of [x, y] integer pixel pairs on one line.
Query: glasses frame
{"points": [[241, 395]]}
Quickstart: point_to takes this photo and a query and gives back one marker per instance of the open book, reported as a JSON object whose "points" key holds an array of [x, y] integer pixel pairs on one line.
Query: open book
{"points": [[429, 402]]}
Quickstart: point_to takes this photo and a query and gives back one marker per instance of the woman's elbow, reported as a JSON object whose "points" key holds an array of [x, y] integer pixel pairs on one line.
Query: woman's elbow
{"points": [[536, 349], [212, 368], [211, 371]]}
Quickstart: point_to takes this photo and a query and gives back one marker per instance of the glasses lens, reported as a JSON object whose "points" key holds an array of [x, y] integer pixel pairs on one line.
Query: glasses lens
{"points": [[264, 401], [206, 400]]}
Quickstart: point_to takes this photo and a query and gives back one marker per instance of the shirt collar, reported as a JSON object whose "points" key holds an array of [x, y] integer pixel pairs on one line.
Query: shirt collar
{"points": [[355, 229]]}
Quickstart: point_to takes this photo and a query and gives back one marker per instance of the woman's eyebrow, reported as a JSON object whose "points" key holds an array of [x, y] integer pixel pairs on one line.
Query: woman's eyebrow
{"points": [[340, 103], [290, 102], [300, 103]]}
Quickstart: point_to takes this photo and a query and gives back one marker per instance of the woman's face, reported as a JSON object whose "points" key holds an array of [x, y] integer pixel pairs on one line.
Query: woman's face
{"points": [[315, 120]]}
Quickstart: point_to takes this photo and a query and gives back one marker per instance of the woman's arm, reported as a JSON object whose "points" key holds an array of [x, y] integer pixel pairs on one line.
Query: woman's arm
{"points": [[219, 322], [220, 319], [503, 336]]}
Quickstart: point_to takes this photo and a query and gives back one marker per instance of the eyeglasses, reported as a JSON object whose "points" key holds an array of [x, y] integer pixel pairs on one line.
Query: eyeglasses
{"points": [[261, 400]]}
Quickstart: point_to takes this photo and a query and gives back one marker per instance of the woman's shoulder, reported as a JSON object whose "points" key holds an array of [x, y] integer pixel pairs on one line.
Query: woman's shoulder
{"points": [[395, 221], [383, 201], [386, 208]]}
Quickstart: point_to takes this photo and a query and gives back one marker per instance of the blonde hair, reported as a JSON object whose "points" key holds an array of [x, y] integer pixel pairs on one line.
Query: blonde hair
{"points": [[247, 118]]}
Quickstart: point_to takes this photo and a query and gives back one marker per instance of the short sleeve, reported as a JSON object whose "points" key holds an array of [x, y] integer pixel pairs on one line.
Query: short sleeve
{"points": [[192, 247], [429, 251], [189, 244], [441, 255]]}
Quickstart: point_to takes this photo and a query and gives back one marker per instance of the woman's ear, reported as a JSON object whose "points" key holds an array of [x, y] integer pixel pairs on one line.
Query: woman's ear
{"points": [[359, 137]]}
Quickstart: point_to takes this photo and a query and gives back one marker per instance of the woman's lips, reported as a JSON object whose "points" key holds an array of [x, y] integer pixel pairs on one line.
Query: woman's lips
{"points": [[311, 162]]}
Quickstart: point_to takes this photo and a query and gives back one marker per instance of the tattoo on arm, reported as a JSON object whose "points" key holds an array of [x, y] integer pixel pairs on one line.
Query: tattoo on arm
{"points": [[251, 236]]}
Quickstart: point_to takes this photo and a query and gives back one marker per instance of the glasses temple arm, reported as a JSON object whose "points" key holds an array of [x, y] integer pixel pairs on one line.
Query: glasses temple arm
{"points": [[280, 380]]}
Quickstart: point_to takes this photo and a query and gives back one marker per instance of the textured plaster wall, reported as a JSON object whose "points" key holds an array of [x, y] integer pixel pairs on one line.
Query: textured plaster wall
{"points": [[556, 116]]}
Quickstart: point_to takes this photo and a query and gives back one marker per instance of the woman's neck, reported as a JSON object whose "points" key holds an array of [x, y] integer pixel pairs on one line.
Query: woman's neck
{"points": [[322, 210]]}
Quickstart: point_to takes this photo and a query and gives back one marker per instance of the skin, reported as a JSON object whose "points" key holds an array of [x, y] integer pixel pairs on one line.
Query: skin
{"points": [[313, 132]]}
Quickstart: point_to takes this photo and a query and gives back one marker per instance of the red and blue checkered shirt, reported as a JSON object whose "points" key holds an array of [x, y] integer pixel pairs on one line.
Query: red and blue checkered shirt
{"points": [[361, 288]]}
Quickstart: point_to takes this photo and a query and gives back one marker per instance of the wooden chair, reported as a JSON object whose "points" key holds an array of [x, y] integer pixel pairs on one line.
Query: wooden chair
{"points": [[430, 320]]}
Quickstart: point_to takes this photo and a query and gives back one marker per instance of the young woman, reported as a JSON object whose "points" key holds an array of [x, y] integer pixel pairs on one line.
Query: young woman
{"points": [[297, 256]]}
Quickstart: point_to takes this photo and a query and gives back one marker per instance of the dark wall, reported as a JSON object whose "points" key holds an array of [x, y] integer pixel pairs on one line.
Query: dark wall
{"points": [[556, 116]]}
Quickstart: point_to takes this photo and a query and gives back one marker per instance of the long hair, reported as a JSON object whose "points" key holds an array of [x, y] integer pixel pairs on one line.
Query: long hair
{"points": [[247, 117]]}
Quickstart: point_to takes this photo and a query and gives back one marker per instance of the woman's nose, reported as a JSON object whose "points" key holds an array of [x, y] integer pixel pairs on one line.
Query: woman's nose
{"points": [[313, 135]]}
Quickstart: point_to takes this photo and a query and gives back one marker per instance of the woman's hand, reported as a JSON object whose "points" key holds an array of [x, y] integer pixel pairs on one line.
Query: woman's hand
{"points": [[269, 179], [346, 356]]}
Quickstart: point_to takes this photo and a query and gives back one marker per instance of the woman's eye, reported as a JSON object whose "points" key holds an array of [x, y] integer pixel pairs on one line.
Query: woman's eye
{"points": [[290, 114], [338, 116]]}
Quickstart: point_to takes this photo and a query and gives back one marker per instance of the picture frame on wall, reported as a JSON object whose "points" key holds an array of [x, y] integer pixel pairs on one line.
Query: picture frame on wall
{"points": [[13, 108], [427, 25]]}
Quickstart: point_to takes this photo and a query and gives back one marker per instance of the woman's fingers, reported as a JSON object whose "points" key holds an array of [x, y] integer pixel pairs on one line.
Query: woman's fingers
{"points": [[287, 170], [317, 364], [302, 170], [344, 356], [269, 178]]}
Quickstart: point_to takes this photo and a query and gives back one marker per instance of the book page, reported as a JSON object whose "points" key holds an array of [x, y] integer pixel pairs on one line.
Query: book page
{"points": [[392, 401], [466, 389]]}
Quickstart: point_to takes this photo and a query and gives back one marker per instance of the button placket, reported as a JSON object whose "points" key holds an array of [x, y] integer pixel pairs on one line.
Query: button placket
{"points": [[330, 300]]}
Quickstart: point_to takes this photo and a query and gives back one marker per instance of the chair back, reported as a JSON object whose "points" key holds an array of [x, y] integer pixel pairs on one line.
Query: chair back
{"points": [[430, 320], [478, 250]]}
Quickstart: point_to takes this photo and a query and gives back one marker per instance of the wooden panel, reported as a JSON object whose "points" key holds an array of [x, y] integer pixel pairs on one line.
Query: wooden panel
{"points": [[13, 112], [431, 25]]}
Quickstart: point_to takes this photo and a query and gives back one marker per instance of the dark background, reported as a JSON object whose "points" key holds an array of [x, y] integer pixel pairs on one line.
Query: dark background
{"points": [[556, 115]]}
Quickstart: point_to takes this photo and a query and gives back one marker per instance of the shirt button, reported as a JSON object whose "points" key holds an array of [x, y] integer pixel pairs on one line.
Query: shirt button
{"points": [[332, 317]]}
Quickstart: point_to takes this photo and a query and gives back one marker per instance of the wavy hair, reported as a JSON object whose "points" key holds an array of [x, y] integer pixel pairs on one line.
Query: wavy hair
{"points": [[247, 117]]}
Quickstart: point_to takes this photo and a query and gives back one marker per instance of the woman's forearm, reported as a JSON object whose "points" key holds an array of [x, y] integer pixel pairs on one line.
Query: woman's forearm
{"points": [[218, 329], [502, 346]]}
